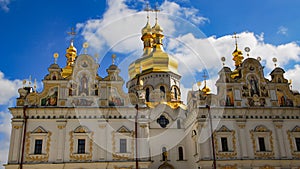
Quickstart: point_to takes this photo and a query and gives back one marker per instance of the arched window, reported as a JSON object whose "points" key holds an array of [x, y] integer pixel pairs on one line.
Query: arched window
{"points": [[147, 94], [164, 154], [162, 89], [180, 153], [175, 93]]}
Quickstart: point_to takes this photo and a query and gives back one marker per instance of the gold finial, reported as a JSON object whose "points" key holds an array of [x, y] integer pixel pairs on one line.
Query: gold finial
{"points": [[113, 58], [223, 59], [237, 54], [85, 46], [34, 86], [275, 61], [55, 55], [205, 89], [29, 80], [247, 50], [235, 37]]}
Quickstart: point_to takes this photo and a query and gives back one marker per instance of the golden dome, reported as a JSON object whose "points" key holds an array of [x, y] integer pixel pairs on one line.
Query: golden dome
{"points": [[71, 54], [154, 59], [205, 89], [157, 29], [147, 29], [71, 50], [237, 56]]}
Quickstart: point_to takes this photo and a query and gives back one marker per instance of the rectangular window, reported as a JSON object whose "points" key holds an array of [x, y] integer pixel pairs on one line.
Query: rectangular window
{"points": [[123, 146], [224, 143], [38, 146], [81, 146], [297, 140], [261, 142]]}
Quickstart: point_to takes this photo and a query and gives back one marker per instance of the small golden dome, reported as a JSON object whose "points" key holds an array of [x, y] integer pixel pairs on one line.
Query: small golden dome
{"points": [[71, 48], [206, 90], [157, 29], [237, 56], [147, 29]]}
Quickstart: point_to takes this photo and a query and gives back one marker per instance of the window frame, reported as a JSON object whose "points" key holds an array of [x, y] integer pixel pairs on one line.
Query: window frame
{"points": [[37, 134], [263, 132], [224, 132], [292, 135], [80, 133]]}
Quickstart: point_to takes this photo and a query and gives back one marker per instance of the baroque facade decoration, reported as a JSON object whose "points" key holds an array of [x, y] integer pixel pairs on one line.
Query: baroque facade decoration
{"points": [[83, 120]]}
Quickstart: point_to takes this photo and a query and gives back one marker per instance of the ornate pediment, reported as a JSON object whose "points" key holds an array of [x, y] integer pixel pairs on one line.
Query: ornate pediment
{"points": [[81, 129], [123, 129], [39, 130]]}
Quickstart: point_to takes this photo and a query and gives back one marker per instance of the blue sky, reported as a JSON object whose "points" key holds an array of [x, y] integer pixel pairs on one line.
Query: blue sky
{"points": [[32, 30]]}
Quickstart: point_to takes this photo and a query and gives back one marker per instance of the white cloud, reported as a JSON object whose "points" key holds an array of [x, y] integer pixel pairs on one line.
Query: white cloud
{"points": [[120, 27], [282, 30], [4, 5], [7, 95], [119, 31], [9, 89], [5, 128], [294, 75]]}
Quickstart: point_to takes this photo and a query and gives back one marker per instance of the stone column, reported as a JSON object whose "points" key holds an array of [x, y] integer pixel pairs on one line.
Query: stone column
{"points": [[144, 149], [61, 125], [242, 139], [101, 143], [16, 142], [279, 138]]}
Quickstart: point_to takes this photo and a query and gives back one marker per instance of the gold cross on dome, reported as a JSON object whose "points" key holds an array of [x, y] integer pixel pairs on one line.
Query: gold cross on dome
{"points": [[156, 10], [235, 37], [204, 75], [72, 33], [148, 9]]}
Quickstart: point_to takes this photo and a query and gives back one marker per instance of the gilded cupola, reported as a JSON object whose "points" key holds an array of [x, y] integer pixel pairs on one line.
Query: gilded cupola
{"points": [[154, 59], [237, 58], [147, 39], [71, 54]]}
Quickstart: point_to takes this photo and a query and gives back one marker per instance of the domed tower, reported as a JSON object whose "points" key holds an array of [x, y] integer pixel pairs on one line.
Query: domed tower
{"points": [[71, 54], [237, 58], [157, 69]]}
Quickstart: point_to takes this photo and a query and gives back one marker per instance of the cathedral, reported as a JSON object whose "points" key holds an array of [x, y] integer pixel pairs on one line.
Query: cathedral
{"points": [[81, 120]]}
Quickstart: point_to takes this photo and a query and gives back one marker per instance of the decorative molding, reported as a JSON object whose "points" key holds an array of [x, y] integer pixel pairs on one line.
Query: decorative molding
{"points": [[29, 156], [295, 132], [264, 132], [230, 134], [83, 131], [123, 132], [61, 126], [242, 126], [17, 127]]}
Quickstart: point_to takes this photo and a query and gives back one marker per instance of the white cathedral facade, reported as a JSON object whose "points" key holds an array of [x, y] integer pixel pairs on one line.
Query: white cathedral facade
{"points": [[83, 121]]}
